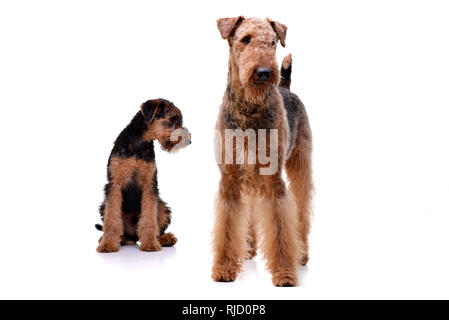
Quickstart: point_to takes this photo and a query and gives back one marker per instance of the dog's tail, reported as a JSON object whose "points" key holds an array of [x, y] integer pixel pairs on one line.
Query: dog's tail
{"points": [[286, 72], [99, 227]]}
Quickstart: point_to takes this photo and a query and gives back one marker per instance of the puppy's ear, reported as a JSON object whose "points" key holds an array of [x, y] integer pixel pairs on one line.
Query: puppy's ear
{"points": [[226, 26], [150, 109], [280, 29]]}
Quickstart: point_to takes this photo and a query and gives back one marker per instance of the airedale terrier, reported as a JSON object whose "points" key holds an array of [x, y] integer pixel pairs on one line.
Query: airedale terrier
{"points": [[253, 208], [132, 210]]}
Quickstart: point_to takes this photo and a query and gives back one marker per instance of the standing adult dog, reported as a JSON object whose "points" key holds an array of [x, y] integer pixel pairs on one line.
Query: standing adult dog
{"points": [[254, 208]]}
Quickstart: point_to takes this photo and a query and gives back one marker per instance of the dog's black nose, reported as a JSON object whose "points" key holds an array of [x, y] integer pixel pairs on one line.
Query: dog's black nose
{"points": [[263, 74]]}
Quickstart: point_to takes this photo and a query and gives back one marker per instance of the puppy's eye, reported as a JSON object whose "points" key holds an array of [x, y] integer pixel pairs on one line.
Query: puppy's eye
{"points": [[273, 43], [246, 40], [166, 123]]}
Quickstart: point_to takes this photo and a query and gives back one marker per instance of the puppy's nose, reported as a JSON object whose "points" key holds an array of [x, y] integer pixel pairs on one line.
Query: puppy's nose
{"points": [[263, 74]]}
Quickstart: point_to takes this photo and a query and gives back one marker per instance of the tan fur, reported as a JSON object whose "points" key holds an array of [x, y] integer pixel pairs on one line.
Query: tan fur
{"points": [[226, 25], [167, 239], [148, 228], [280, 29], [251, 209], [122, 171], [287, 61], [162, 216], [299, 173], [243, 62], [231, 229]]}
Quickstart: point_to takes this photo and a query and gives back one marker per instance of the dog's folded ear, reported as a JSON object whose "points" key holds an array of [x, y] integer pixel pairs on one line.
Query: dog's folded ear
{"points": [[150, 109], [280, 29], [226, 26]]}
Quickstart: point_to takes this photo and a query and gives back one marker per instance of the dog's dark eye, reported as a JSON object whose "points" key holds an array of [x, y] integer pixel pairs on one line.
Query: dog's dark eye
{"points": [[166, 123], [273, 43], [246, 40]]}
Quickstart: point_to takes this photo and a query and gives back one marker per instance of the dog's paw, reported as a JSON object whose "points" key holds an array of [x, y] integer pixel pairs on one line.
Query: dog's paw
{"points": [[284, 279], [168, 239], [150, 246], [222, 274], [107, 247], [304, 259]]}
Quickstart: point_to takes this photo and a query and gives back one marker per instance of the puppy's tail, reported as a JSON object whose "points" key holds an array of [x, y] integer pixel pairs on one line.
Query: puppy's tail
{"points": [[99, 227], [286, 72]]}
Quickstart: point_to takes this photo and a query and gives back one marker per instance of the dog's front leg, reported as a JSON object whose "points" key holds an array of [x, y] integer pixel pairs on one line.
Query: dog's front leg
{"points": [[148, 228], [113, 223], [231, 230], [278, 224]]}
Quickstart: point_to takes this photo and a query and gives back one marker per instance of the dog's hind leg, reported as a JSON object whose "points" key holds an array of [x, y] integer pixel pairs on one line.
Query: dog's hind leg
{"points": [[164, 219], [299, 173], [167, 239]]}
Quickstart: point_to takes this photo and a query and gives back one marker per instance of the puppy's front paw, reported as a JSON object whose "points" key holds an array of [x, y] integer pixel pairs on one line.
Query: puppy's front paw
{"points": [[284, 279], [150, 246], [107, 247]]}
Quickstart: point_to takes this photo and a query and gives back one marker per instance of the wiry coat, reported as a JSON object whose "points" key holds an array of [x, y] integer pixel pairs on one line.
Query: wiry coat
{"points": [[133, 209], [253, 209]]}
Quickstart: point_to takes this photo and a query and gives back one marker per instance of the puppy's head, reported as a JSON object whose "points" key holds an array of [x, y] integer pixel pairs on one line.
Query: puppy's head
{"points": [[164, 123]]}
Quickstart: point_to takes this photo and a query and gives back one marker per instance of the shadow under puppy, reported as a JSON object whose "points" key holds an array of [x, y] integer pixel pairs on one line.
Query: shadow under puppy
{"points": [[132, 210]]}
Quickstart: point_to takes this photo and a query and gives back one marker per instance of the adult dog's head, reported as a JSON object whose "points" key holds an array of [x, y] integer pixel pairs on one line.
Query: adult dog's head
{"points": [[252, 60]]}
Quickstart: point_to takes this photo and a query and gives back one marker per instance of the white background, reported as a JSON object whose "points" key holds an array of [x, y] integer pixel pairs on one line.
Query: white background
{"points": [[374, 76]]}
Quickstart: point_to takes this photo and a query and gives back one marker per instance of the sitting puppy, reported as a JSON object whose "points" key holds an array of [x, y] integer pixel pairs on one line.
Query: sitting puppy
{"points": [[132, 210]]}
